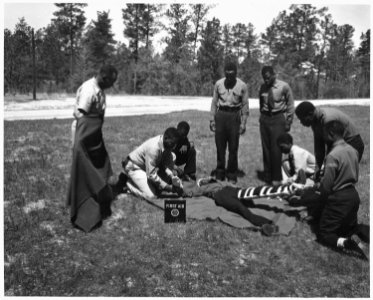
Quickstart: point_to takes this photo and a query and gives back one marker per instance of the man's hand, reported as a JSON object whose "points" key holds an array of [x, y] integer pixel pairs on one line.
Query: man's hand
{"points": [[242, 128], [317, 174], [184, 149], [212, 125], [287, 127], [176, 182], [178, 190]]}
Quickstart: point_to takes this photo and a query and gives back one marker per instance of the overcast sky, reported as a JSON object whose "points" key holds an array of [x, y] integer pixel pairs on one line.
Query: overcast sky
{"points": [[38, 14]]}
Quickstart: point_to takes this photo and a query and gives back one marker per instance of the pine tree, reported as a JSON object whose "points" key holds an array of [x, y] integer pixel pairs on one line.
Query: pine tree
{"points": [[70, 21], [99, 41], [17, 58], [52, 56], [178, 43], [363, 59], [210, 56], [151, 23], [239, 32], [133, 18], [227, 40], [199, 12]]}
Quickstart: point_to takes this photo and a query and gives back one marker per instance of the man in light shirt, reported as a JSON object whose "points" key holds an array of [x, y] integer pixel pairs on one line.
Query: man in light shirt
{"points": [[148, 167], [300, 163], [90, 96]]}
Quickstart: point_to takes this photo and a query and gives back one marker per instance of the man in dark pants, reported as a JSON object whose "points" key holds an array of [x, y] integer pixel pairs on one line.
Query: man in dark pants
{"points": [[227, 198], [185, 153], [338, 220], [316, 118], [276, 116], [229, 113]]}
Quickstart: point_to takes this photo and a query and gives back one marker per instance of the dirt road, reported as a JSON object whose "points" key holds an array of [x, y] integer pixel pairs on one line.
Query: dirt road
{"points": [[130, 106]]}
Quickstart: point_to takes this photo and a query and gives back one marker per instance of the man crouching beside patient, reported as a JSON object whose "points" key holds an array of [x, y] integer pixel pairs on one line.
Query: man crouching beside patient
{"points": [[148, 167]]}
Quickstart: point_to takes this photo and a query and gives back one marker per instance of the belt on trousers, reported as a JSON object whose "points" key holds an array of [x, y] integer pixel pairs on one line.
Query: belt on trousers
{"points": [[271, 114], [229, 108]]}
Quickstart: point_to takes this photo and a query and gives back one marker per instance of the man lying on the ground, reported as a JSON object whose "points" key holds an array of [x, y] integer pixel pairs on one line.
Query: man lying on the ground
{"points": [[240, 200], [148, 167]]}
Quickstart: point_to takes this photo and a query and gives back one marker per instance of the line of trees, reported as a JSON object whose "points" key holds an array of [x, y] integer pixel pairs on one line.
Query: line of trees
{"points": [[307, 49]]}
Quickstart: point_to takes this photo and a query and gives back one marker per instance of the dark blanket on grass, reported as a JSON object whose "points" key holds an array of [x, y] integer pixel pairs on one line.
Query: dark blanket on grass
{"points": [[202, 207], [88, 194]]}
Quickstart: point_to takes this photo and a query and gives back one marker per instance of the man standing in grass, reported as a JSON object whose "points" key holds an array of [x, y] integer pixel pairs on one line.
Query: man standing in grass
{"points": [[90, 96], [229, 113], [89, 194], [316, 118], [276, 106]]}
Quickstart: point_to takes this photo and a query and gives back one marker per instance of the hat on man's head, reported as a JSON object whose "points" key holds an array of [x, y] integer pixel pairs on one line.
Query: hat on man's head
{"points": [[230, 66]]}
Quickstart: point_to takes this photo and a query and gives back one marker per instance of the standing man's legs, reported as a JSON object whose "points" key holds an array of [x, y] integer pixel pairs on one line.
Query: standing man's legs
{"points": [[233, 144], [265, 134], [277, 128], [221, 139]]}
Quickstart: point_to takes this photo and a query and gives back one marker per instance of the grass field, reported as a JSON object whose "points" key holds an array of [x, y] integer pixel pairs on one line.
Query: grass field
{"points": [[135, 253]]}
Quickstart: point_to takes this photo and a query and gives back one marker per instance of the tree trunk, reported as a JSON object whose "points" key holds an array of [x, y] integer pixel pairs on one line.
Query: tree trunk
{"points": [[33, 66], [135, 79]]}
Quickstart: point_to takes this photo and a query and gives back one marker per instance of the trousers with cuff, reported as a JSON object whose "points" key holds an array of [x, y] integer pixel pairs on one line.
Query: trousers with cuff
{"points": [[339, 216]]}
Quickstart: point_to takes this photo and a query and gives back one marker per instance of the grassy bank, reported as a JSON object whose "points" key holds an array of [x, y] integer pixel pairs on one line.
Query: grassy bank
{"points": [[135, 253]]}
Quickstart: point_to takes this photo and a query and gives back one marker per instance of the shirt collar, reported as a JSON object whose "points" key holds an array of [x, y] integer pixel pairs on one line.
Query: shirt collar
{"points": [[339, 142]]}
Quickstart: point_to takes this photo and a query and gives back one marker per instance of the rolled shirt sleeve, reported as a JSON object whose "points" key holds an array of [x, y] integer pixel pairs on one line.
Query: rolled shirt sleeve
{"points": [[86, 98]]}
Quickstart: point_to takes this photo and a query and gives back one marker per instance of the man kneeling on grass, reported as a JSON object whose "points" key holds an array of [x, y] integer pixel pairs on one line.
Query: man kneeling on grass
{"points": [[148, 167], [185, 154], [336, 210], [300, 163]]}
